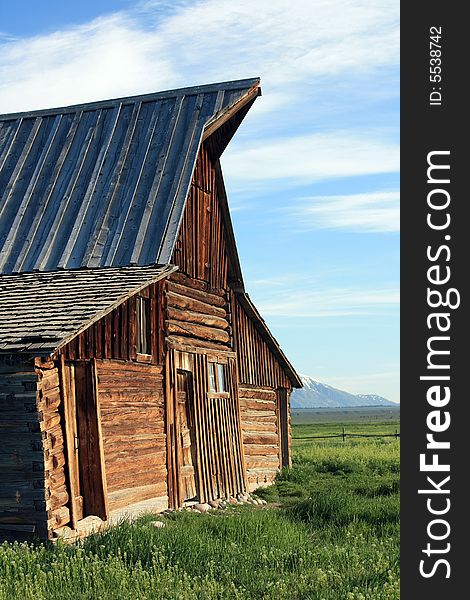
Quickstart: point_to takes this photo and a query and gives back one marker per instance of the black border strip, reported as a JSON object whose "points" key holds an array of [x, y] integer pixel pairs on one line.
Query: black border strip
{"points": [[426, 128]]}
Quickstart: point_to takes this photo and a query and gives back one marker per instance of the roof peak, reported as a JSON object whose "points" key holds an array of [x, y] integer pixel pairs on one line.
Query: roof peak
{"points": [[147, 97]]}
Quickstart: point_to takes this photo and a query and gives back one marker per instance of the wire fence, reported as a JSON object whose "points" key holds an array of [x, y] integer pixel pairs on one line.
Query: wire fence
{"points": [[345, 435]]}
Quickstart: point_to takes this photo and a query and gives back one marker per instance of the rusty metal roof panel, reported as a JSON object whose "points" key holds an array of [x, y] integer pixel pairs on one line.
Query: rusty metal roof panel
{"points": [[43, 311], [103, 184]]}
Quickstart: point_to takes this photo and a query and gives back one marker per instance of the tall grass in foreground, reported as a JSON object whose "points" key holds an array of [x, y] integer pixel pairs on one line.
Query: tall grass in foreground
{"points": [[331, 533]]}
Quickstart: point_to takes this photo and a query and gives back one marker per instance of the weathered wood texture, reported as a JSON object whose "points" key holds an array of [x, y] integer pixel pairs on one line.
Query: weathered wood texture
{"points": [[50, 412], [132, 419], [22, 468], [257, 364], [216, 441], [114, 336], [195, 316], [201, 249], [259, 424]]}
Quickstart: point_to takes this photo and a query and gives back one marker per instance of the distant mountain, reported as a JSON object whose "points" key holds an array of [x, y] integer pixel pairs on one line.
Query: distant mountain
{"points": [[320, 395]]}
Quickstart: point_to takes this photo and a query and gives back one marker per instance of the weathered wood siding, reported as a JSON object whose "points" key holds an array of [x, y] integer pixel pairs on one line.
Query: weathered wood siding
{"points": [[260, 376], [132, 419], [260, 434], [201, 249], [22, 469], [195, 316], [257, 364], [114, 336], [51, 423]]}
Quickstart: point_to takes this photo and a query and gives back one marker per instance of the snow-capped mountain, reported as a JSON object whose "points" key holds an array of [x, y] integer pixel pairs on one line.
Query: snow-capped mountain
{"points": [[320, 395]]}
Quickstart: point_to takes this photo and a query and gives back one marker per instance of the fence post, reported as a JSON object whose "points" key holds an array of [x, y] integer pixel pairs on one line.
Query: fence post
{"points": [[396, 434], [344, 435]]}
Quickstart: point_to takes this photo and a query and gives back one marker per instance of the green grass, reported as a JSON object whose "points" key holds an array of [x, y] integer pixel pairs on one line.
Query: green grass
{"points": [[331, 532]]}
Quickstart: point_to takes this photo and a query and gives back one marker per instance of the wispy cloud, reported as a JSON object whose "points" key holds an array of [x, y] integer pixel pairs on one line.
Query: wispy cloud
{"points": [[149, 48], [369, 212], [326, 302], [311, 158]]}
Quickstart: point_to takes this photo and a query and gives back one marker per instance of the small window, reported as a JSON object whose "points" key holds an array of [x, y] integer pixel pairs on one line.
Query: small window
{"points": [[212, 378], [221, 379], [217, 381], [143, 326]]}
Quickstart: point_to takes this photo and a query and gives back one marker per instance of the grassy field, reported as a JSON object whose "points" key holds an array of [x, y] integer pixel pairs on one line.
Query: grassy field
{"points": [[330, 531]]}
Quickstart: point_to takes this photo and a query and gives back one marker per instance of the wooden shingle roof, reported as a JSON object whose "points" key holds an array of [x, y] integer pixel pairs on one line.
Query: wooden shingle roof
{"points": [[40, 312], [104, 184]]}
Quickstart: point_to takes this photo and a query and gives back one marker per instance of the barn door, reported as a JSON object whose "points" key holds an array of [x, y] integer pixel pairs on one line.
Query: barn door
{"points": [[84, 442], [186, 435]]}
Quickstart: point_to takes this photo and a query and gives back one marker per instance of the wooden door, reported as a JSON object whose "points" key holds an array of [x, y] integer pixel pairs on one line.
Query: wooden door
{"points": [[185, 432], [84, 441]]}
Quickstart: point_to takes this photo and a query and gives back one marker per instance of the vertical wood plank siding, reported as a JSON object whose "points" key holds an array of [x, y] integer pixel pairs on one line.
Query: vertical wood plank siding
{"points": [[257, 364], [201, 250], [22, 481], [113, 336]]}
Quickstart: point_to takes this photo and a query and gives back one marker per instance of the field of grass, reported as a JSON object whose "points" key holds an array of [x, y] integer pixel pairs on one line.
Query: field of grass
{"points": [[330, 531]]}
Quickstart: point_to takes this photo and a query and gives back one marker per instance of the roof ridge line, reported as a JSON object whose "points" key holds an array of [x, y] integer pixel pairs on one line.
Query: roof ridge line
{"points": [[111, 102]]}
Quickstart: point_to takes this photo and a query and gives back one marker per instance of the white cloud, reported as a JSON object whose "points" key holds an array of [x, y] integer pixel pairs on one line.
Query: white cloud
{"points": [[150, 48], [326, 302], [310, 158], [108, 57], [368, 212]]}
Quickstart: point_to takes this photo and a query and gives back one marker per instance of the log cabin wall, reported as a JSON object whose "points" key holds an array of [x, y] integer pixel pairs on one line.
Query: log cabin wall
{"points": [[263, 387], [259, 422], [50, 411], [195, 316], [133, 427], [22, 485], [130, 397]]}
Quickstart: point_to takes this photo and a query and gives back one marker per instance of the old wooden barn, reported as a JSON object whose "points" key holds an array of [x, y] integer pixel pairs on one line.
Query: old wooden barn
{"points": [[135, 372]]}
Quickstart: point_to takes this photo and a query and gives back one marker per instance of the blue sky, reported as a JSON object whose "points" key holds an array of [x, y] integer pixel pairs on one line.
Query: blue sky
{"points": [[313, 172]]}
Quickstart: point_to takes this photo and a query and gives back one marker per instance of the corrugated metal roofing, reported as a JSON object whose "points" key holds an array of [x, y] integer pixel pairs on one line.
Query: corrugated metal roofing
{"points": [[40, 312], [103, 184]]}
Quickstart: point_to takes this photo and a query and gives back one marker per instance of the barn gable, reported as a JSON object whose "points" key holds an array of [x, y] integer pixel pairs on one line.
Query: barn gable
{"points": [[104, 184], [151, 379]]}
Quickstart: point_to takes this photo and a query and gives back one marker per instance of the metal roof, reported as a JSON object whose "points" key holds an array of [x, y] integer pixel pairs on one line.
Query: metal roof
{"points": [[40, 312], [104, 184]]}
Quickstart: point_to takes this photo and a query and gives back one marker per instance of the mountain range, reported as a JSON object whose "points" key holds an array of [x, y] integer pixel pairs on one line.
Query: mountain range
{"points": [[320, 395]]}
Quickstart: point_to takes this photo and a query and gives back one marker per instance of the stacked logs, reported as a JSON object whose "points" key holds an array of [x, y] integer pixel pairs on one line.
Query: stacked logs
{"points": [[48, 405], [134, 441], [196, 317], [22, 493], [260, 434]]}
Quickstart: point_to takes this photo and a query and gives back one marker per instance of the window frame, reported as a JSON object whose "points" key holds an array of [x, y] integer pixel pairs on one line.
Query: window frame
{"points": [[143, 330], [215, 368]]}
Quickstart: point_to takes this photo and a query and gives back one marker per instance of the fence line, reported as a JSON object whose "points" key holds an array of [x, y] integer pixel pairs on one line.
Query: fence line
{"points": [[344, 435]]}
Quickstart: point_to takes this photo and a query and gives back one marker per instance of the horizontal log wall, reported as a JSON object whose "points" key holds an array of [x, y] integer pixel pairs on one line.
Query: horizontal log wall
{"points": [[260, 434], [201, 249], [22, 475], [51, 423], [114, 336], [132, 420], [195, 316], [257, 364]]}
